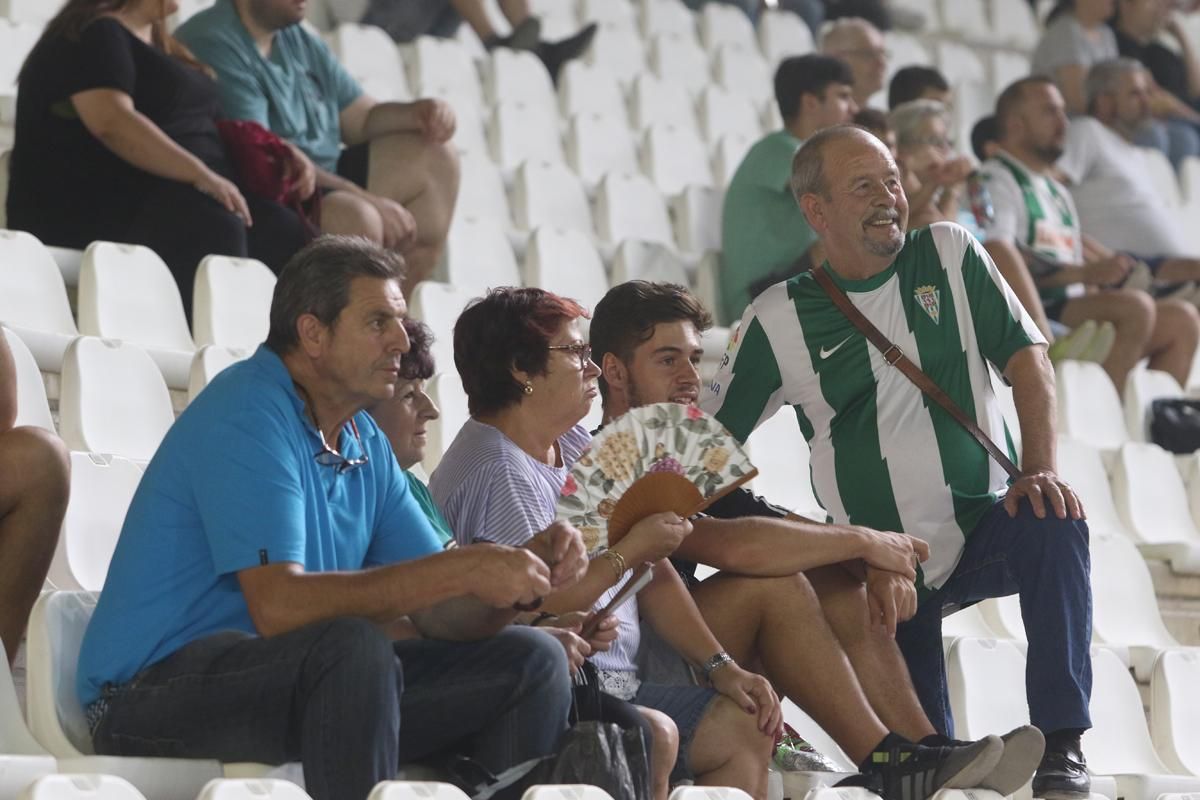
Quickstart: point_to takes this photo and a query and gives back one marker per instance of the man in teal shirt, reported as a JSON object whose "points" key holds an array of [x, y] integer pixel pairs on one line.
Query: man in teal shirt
{"points": [[763, 232], [396, 180]]}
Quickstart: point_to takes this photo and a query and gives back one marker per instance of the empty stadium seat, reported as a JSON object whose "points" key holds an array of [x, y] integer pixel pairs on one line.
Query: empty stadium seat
{"points": [[251, 789], [23, 759], [722, 111], [479, 257], [56, 718], [674, 157], [232, 302], [547, 193], [469, 134], [1119, 742], [1174, 698], [1082, 466], [667, 17], [727, 156], [33, 298], [966, 19], [960, 62], [113, 399], [1143, 387], [438, 306], [744, 72], [446, 391], [1162, 175], [783, 34], [558, 18], [778, 449], [967, 622], [620, 51], [442, 67], [565, 262], [680, 59], [654, 100], [102, 487], [987, 686], [37, 12], [93, 786], [32, 406], [566, 791], [520, 131], [1003, 615], [127, 292], [1014, 24], [1088, 406], [647, 261], [613, 13], [481, 190], [723, 25], [597, 144], [1189, 180], [1008, 67], [707, 793], [707, 286], [1148, 493], [210, 360], [593, 89], [697, 214], [628, 206], [371, 58], [906, 50], [412, 790], [518, 76]]}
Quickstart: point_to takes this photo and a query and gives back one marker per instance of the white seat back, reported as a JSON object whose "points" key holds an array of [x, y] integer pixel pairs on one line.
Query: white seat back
{"points": [[654, 100], [1083, 467], [446, 391], [967, 19], [1149, 495], [707, 793], [727, 156], [647, 261], [481, 190], [251, 789], [1014, 24], [1089, 409], [681, 60], [724, 25], [697, 213], [102, 487], [208, 361], [565, 262], [479, 256], [15, 738], [1119, 741], [232, 302], [628, 206], [438, 306], [32, 406], [745, 71], [127, 292], [547, 193], [783, 34], [113, 399], [469, 133], [620, 51], [987, 686], [81, 787], [1143, 387], [1174, 698], [371, 58], [675, 158], [518, 76], [412, 790], [442, 67], [591, 88], [669, 17], [1124, 606], [597, 145], [520, 131], [56, 628], [32, 292], [722, 111], [778, 449], [613, 13]]}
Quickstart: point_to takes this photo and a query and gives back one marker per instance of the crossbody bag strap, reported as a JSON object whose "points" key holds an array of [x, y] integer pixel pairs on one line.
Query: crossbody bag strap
{"points": [[895, 357]]}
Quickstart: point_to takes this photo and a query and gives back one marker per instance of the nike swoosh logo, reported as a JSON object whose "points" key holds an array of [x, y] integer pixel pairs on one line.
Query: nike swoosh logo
{"points": [[827, 353]]}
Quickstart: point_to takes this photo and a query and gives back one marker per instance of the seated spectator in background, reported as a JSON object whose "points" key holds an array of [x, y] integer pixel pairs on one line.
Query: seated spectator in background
{"points": [[1035, 211], [397, 180], [1118, 203], [1176, 76], [860, 44], [116, 139], [529, 382], [932, 172], [35, 479], [918, 83], [405, 20], [984, 136], [876, 122], [403, 419], [814, 606], [763, 232], [276, 556], [1074, 39]]}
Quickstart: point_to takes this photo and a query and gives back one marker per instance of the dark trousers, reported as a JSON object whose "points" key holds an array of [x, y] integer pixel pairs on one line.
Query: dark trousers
{"points": [[344, 700], [1046, 562]]}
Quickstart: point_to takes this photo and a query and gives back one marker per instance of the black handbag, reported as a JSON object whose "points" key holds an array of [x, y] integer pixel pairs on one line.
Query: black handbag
{"points": [[1175, 424]]}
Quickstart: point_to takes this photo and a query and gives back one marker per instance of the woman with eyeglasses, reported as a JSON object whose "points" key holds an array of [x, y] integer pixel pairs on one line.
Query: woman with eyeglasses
{"points": [[527, 371], [932, 172]]}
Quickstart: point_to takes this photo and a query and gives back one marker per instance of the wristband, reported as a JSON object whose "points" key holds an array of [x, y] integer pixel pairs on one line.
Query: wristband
{"points": [[715, 663], [617, 561]]}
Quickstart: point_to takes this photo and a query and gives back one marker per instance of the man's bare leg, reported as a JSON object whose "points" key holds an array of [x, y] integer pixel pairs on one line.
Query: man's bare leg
{"points": [[423, 177], [1131, 312], [877, 661], [777, 623], [347, 214], [664, 751], [1173, 341], [35, 477]]}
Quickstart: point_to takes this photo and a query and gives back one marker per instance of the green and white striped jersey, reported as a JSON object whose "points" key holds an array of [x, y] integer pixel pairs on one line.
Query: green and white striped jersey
{"points": [[883, 455]]}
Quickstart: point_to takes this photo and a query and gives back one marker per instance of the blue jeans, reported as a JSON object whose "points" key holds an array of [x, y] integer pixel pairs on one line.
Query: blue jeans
{"points": [[1177, 139], [1047, 563], [333, 694]]}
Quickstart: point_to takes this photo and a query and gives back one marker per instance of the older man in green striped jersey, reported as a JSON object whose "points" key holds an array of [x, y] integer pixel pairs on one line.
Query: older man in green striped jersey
{"points": [[886, 457]]}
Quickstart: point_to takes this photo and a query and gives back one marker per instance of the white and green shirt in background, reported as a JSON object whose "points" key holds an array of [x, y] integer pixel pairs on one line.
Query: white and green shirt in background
{"points": [[882, 455]]}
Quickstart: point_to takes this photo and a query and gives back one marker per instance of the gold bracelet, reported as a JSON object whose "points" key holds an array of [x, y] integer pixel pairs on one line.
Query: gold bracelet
{"points": [[618, 562]]}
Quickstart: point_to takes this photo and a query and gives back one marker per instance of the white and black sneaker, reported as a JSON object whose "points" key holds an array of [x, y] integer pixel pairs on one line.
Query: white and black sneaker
{"points": [[907, 771], [1023, 749]]}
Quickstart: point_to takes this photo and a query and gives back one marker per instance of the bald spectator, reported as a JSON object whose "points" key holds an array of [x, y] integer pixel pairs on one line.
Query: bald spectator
{"points": [[765, 237], [861, 45], [918, 83]]}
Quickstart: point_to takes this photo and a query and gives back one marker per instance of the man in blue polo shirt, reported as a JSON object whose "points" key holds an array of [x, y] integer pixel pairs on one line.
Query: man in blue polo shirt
{"points": [[274, 545], [395, 182]]}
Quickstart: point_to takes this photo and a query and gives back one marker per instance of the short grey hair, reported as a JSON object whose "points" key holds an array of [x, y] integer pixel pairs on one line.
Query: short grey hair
{"points": [[1104, 76], [808, 164], [908, 118], [316, 281], [840, 34]]}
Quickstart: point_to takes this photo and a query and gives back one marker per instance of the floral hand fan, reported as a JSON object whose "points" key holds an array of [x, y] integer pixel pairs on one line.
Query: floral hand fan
{"points": [[661, 457]]}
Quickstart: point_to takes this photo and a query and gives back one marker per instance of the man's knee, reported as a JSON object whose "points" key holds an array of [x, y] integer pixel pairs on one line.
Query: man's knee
{"points": [[1056, 540], [347, 214], [358, 646], [1131, 308], [1179, 319], [36, 462]]}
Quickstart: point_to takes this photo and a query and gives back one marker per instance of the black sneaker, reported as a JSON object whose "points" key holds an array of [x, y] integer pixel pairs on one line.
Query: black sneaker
{"points": [[527, 35], [555, 54], [1063, 773], [1023, 750], [910, 771]]}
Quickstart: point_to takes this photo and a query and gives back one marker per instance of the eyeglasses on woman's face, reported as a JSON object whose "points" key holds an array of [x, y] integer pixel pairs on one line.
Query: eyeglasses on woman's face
{"points": [[580, 349]]}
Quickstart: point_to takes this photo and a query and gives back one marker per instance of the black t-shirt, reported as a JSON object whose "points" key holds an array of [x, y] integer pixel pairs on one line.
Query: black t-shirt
{"points": [[67, 187], [1167, 67]]}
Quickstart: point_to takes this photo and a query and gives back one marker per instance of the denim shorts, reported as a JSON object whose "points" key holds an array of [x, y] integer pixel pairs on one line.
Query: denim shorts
{"points": [[686, 705]]}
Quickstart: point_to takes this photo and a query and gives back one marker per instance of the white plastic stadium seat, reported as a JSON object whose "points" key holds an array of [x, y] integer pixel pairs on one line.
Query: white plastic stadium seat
{"points": [[33, 298], [479, 257], [32, 406], [1174, 698], [722, 111], [102, 487], [1149, 495], [1082, 466], [647, 261], [371, 58], [481, 190], [966, 19], [37, 12], [778, 449], [675, 158], [707, 793], [1119, 742], [960, 62], [547, 193], [968, 623], [210, 360], [1162, 175], [906, 50], [1003, 615], [697, 214], [783, 34], [56, 718], [619, 50], [987, 686], [231, 303], [667, 17], [727, 156], [680, 59], [469, 134], [1189, 179], [598, 144], [744, 71], [446, 391], [438, 306], [654, 100], [88, 786], [441, 67], [1088, 406], [1014, 24], [518, 76], [566, 792], [591, 88], [1008, 67], [628, 206], [565, 262], [1143, 387], [127, 292], [113, 399], [614, 13], [251, 789], [24, 759], [722, 25], [413, 790], [520, 131]]}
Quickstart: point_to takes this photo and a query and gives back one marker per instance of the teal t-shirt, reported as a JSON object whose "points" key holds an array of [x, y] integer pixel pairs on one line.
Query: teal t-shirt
{"points": [[420, 493], [297, 92], [762, 227]]}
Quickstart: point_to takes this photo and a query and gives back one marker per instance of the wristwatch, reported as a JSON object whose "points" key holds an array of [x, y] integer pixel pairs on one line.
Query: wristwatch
{"points": [[716, 662]]}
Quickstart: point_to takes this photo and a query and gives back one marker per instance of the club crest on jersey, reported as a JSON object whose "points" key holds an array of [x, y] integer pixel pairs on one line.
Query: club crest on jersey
{"points": [[928, 297]]}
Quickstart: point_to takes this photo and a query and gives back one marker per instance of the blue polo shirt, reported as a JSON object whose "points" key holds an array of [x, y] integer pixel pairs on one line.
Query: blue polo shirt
{"points": [[297, 92], [235, 485]]}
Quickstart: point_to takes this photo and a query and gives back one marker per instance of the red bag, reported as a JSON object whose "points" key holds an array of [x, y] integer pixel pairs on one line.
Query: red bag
{"points": [[261, 160]]}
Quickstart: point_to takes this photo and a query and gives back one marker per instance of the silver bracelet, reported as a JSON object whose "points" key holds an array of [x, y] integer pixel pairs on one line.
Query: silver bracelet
{"points": [[716, 662]]}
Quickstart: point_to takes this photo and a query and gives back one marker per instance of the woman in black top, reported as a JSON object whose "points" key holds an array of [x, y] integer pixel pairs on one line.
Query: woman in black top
{"points": [[116, 139]]}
